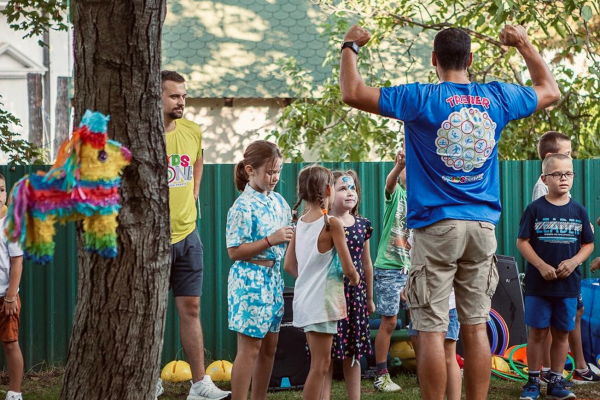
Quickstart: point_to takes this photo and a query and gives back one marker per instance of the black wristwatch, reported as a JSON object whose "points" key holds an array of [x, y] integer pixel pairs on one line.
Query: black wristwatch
{"points": [[351, 45]]}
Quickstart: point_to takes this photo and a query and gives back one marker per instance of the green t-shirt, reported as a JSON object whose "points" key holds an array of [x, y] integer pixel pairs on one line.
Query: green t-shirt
{"points": [[393, 250]]}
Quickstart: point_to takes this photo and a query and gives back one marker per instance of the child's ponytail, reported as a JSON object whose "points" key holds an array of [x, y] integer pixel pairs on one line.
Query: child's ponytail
{"points": [[257, 154], [324, 211], [240, 176], [295, 211]]}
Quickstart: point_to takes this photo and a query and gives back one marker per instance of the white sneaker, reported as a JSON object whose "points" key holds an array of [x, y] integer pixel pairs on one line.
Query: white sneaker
{"points": [[384, 383], [159, 389], [13, 396], [206, 390]]}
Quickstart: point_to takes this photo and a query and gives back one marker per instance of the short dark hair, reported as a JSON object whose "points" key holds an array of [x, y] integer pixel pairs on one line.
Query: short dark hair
{"points": [[549, 161], [171, 76], [550, 143], [452, 48]]}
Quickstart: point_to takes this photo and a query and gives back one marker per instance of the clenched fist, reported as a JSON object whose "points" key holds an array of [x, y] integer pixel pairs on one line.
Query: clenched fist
{"points": [[357, 35], [514, 36]]}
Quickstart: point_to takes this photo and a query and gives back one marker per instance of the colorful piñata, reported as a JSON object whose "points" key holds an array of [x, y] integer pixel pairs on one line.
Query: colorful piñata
{"points": [[83, 184]]}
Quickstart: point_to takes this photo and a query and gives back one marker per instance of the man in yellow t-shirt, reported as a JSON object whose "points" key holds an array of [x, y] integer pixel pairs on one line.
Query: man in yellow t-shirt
{"points": [[184, 152]]}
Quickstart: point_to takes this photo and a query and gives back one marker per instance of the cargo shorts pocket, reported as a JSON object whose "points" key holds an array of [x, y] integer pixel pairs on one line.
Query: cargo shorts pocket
{"points": [[417, 290], [438, 229], [493, 277]]}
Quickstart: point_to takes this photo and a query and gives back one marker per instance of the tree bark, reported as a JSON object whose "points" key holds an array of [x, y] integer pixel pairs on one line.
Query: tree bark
{"points": [[62, 113], [36, 120], [118, 326]]}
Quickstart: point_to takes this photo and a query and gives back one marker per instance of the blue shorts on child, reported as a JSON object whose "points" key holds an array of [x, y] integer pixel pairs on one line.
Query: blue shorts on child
{"points": [[254, 298], [544, 311]]}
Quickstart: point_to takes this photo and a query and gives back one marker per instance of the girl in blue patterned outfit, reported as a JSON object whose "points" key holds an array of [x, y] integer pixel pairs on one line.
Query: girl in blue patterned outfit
{"points": [[258, 229], [318, 258]]}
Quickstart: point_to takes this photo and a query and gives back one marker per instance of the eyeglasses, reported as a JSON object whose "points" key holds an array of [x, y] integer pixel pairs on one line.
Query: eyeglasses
{"points": [[558, 175]]}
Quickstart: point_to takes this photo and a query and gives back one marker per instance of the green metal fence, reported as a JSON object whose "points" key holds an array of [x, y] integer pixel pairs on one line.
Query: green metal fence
{"points": [[48, 293]]}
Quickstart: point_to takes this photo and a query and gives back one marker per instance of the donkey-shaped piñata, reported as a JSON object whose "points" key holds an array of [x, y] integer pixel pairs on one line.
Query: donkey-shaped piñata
{"points": [[83, 184]]}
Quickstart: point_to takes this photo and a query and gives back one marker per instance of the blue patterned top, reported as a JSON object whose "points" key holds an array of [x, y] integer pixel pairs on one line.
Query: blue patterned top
{"points": [[254, 216]]}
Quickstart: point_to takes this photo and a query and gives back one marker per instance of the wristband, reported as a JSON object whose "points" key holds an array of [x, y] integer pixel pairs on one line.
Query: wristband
{"points": [[6, 300], [267, 240]]}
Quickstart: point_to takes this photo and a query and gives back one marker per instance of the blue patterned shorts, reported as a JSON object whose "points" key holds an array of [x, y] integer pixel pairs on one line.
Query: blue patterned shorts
{"points": [[389, 283], [254, 298]]}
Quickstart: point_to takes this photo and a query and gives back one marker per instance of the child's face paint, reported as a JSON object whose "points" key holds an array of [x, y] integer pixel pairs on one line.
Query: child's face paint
{"points": [[349, 182], [345, 194]]}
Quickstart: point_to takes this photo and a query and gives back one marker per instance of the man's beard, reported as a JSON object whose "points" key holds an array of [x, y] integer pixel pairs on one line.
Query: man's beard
{"points": [[176, 114]]}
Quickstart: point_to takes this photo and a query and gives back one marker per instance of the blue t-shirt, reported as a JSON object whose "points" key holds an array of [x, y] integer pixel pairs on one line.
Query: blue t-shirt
{"points": [[556, 233], [451, 131]]}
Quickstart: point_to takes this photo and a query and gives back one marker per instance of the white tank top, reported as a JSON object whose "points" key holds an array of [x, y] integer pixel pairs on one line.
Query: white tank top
{"points": [[319, 289]]}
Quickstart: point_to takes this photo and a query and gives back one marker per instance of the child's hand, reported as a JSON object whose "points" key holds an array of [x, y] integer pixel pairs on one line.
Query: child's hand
{"points": [[283, 235], [565, 268], [354, 278], [371, 306], [10, 308], [595, 264], [548, 272], [400, 159]]}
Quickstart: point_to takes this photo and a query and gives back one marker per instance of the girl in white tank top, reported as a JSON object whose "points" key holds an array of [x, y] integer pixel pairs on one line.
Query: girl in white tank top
{"points": [[318, 258]]}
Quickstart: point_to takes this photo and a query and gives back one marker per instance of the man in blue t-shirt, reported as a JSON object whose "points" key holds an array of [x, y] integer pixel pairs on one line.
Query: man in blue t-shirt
{"points": [[451, 130], [555, 237]]}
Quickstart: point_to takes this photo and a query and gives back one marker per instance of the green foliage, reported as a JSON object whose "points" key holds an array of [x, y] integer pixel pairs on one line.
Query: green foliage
{"points": [[36, 16], [567, 32], [19, 151]]}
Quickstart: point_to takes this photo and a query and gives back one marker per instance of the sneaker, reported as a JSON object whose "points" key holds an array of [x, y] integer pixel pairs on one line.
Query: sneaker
{"points": [[531, 391], [13, 395], [545, 379], [159, 389], [207, 390], [384, 383], [557, 391], [586, 377]]}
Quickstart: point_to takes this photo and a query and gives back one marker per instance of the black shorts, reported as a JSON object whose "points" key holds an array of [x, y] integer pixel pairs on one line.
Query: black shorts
{"points": [[187, 266]]}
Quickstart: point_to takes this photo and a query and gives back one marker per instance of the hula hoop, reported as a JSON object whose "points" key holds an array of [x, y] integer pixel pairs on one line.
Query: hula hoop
{"points": [[512, 363], [505, 332], [509, 375], [492, 326]]}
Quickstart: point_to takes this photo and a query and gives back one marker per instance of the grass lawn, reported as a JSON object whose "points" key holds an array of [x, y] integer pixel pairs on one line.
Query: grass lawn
{"points": [[46, 386]]}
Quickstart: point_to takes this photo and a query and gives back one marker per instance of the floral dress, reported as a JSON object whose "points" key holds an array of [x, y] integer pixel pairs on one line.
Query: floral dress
{"points": [[353, 337]]}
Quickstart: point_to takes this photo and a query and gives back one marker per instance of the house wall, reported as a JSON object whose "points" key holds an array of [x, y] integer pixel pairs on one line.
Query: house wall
{"points": [[226, 131], [14, 90]]}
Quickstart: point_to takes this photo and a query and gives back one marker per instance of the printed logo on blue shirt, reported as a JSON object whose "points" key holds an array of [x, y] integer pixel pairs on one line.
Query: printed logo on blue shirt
{"points": [[466, 139]]}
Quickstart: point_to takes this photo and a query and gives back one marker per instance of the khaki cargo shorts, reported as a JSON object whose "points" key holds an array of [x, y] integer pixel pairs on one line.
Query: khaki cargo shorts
{"points": [[447, 253]]}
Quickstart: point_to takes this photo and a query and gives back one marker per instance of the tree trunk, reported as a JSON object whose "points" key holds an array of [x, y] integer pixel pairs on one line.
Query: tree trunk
{"points": [[36, 120], [62, 113], [118, 326]]}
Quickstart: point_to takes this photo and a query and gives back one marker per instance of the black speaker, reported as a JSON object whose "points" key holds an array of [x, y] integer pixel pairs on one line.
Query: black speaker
{"points": [[292, 363], [508, 302]]}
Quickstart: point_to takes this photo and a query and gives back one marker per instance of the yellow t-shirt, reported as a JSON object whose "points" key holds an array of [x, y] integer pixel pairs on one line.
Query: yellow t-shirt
{"points": [[184, 147]]}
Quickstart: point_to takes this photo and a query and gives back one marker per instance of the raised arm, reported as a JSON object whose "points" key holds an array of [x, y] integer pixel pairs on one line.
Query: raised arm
{"points": [[392, 179], [543, 81], [355, 92]]}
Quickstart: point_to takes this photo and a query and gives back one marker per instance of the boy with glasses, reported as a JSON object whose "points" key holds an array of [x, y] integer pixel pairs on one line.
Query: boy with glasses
{"points": [[555, 237], [557, 142]]}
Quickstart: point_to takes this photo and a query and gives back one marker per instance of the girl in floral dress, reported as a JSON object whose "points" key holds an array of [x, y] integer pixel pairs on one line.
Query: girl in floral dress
{"points": [[353, 338], [258, 230]]}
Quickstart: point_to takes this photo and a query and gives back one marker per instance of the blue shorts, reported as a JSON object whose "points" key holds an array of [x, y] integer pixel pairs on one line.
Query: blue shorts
{"points": [[453, 327], [544, 311], [389, 283], [254, 299]]}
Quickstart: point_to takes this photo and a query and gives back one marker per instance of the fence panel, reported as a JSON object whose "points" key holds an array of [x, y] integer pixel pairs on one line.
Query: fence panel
{"points": [[49, 293]]}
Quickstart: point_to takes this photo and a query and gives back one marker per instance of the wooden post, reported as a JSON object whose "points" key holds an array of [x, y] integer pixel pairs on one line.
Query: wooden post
{"points": [[36, 97], [62, 112]]}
